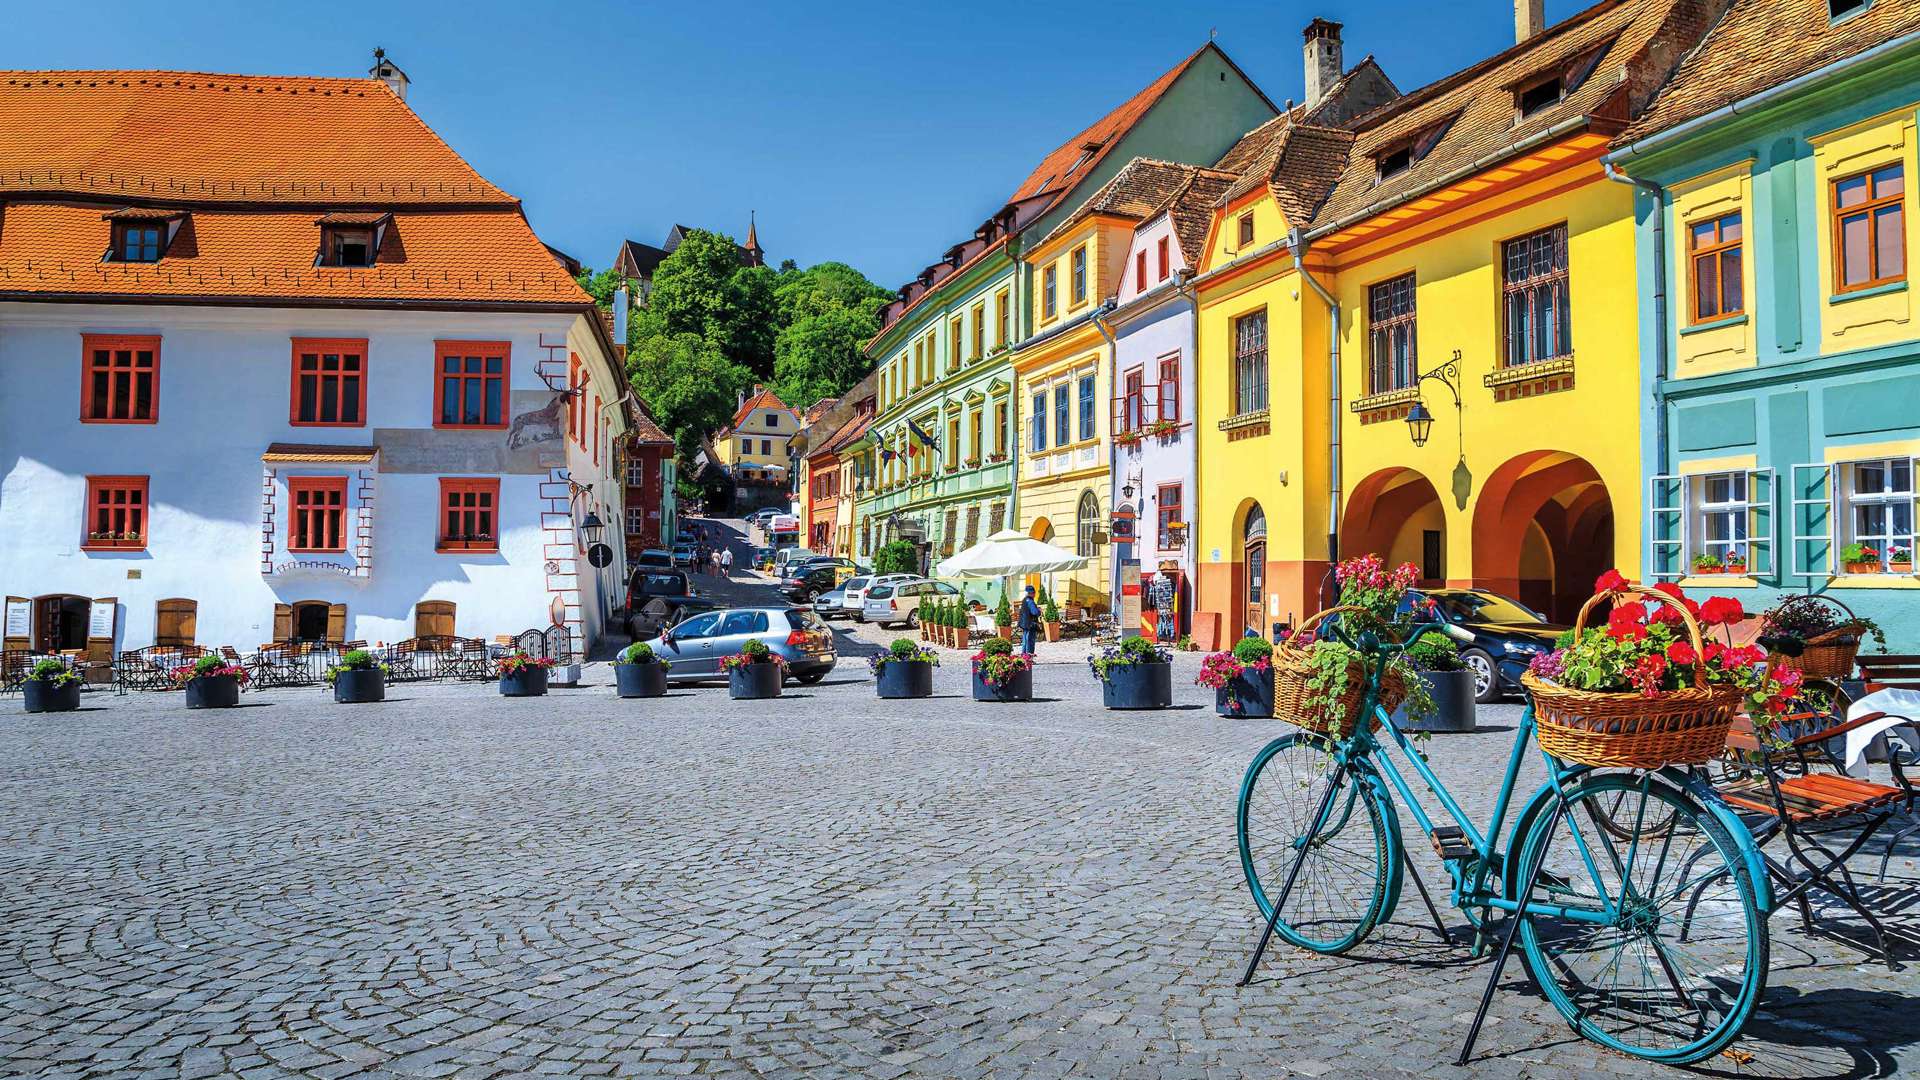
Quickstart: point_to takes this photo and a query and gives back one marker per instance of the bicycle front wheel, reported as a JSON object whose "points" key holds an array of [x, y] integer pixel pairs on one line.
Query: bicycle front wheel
{"points": [[1653, 944], [1348, 865]]}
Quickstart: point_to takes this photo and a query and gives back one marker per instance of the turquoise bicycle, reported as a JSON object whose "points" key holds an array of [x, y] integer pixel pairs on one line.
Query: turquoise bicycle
{"points": [[1595, 879]]}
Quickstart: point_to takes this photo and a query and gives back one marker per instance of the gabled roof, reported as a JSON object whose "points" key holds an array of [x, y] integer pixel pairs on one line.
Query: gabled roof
{"points": [[182, 136], [645, 429], [1138, 190], [848, 433], [761, 398], [1192, 210], [818, 409], [1611, 57], [1299, 165], [1762, 43], [643, 258]]}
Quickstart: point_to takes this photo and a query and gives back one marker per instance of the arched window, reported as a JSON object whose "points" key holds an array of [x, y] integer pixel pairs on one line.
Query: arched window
{"points": [[1255, 554], [1088, 523]]}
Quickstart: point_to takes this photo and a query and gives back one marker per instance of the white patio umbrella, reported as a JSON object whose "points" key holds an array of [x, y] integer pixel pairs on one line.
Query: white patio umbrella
{"points": [[1009, 553]]}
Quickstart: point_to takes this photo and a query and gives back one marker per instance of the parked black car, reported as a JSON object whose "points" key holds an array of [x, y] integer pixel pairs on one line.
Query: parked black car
{"points": [[804, 580], [657, 599], [1489, 629]]}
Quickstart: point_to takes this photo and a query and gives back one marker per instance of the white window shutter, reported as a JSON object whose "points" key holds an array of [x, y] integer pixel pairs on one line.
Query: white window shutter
{"points": [[1815, 489], [1761, 525], [1667, 527]]}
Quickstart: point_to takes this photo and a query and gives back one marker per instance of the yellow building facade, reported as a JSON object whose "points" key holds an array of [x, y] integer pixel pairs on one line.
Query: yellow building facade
{"points": [[754, 446]]}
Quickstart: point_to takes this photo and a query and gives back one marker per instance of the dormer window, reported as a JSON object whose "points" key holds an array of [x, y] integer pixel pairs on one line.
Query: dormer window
{"points": [[351, 240], [1537, 96], [1840, 9], [1087, 150], [141, 236], [1396, 158], [1395, 161]]}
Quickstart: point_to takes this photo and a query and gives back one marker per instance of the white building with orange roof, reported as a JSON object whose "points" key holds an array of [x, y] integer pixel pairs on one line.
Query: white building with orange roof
{"points": [[280, 365]]}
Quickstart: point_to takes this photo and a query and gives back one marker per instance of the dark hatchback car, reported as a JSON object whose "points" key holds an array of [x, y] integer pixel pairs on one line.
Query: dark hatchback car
{"points": [[807, 579], [1490, 629]]}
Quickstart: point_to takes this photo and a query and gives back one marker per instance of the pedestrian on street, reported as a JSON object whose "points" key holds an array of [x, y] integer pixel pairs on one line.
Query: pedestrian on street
{"points": [[726, 562], [1029, 621], [714, 564]]}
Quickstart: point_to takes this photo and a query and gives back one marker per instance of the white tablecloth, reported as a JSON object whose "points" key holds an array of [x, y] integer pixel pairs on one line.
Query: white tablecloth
{"points": [[1903, 714]]}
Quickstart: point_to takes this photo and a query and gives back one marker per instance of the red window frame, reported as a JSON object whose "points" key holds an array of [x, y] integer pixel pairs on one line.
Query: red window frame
{"points": [[1170, 388], [1167, 512], [573, 400], [1140, 272], [111, 388], [473, 359], [1165, 261], [596, 429], [1133, 401], [469, 514], [317, 514], [116, 504], [328, 384]]}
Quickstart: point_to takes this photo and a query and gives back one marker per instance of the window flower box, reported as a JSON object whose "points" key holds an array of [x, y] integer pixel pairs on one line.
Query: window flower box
{"points": [[114, 541], [477, 542], [1900, 560], [1861, 559]]}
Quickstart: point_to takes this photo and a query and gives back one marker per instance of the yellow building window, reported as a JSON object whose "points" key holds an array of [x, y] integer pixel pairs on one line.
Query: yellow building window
{"points": [[1003, 318], [1869, 229], [955, 336], [979, 331], [1050, 292], [1079, 283], [1713, 265]]}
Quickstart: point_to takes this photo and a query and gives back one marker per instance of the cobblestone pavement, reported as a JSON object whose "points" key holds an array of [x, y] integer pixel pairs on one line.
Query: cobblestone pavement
{"points": [[456, 884]]}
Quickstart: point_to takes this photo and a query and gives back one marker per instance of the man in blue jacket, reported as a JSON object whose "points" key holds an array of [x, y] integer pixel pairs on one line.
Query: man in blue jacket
{"points": [[1029, 621]]}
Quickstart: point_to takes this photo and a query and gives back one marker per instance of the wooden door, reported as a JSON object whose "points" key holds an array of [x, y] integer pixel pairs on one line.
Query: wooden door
{"points": [[433, 618], [103, 624], [282, 622], [1256, 597], [337, 624], [174, 621]]}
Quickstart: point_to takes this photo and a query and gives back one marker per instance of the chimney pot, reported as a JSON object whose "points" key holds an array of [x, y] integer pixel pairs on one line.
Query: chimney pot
{"points": [[1529, 18], [1323, 62]]}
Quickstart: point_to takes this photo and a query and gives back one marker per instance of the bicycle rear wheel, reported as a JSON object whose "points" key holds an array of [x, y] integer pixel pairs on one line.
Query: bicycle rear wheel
{"points": [[1673, 970], [1349, 872]]}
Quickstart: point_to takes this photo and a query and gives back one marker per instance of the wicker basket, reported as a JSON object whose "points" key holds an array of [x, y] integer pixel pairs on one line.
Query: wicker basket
{"points": [[1826, 656], [1295, 701], [1627, 730]]}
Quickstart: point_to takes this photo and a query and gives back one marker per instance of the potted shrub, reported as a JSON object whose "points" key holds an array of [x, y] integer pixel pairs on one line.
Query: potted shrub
{"points": [[1241, 680], [1900, 559], [1050, 617], [358, 678], [1860, 559], [1137, 674], [639, 672], [755, 673], [962, 632], [905, 670], [1003, 617], [925, 609], [1320, 679], [1449, 684], [51, 686], [1705, 563], [1736, 562], [211, 683], [522, 675], [1000, 673]]}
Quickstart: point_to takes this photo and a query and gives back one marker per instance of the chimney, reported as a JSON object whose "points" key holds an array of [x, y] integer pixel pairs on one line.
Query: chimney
{"points": [[1323, 59], [1529, 18], [389, 72]]}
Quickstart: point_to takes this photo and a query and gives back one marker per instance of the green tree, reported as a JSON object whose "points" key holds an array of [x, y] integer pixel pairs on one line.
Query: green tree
{"points": [[689, 384], [896, 558], [821, 355]]}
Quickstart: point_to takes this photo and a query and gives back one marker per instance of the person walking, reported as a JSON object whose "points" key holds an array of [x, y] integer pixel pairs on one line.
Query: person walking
{"points": [[726, 562], [1029, 621]]}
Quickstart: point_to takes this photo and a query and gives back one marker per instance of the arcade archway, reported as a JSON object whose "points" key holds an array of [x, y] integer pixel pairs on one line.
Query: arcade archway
{"points": [[1396, 514], [1543, 531]]}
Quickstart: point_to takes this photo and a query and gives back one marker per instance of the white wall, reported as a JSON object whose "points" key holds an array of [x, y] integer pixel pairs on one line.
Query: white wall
{"points": [[223, 397]]}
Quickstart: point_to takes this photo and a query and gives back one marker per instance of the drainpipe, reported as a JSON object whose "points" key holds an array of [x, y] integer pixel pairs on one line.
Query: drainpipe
{"points": [[1659, 308], [1183, 284], [1113, 362], [1014, 433], [1297, 243]]}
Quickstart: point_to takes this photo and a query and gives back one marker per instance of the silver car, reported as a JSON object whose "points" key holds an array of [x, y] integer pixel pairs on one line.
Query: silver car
{"points": [[696, 646], [898, 602], [842, 600]]}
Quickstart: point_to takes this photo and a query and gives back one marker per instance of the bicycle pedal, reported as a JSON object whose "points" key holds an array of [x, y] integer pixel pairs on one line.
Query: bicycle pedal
{"points": [[1450, 843]]}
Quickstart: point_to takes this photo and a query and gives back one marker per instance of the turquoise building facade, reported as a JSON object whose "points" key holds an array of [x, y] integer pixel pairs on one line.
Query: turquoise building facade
{"points": [[1778, 333]]}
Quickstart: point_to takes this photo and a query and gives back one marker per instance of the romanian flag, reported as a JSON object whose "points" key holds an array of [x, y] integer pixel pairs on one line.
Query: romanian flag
{"points": [[921, 437]]}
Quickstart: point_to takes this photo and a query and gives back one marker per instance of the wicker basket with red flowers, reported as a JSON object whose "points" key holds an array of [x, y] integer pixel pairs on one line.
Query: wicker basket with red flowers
{"points": [[1650, 690]]}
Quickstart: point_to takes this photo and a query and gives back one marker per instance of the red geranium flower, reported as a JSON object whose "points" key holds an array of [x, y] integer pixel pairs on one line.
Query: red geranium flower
{"points": [[1611, 581], [1680, 653], [1721, 611]]}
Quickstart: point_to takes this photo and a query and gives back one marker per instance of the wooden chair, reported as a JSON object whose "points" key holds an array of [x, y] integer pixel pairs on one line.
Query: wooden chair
{"points": [[14, 665], [1900, 671], [1781, 786]]}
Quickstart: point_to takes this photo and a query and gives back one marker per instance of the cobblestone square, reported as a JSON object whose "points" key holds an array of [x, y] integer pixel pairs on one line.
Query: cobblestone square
{"points": [[455, 884]]}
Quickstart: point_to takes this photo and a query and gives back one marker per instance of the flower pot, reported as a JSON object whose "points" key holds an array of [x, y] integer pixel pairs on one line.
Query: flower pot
{"points": [[1737, 569], [1017, 688], [752, 682], [1699, 570], [1453, 704], [1248, 696], [527, 682], [1005, 632], [360, 687], [1863, 567], [42, 696], [1138, 686], [640, 680], [904, 679], [213, 692], [1053, 630], [1897, 567]]}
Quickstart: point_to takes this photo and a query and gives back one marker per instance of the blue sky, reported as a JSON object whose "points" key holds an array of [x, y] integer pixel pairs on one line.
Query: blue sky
{"points": [[876, 134]]}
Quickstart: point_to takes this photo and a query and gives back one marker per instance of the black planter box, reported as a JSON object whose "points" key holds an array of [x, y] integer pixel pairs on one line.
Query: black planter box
{"points": [[641, 680], [46, 697], [1138, 686], [904, 679], [1018, 688], [213, 692], [752, 682], [1454, 709], [1248, 696], [527, 682], [359, 686]]}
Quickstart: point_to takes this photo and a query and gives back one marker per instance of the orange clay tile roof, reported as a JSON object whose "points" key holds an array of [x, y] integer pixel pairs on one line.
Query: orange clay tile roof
{"points": [[458, 256], [1763, 43], [645, 429], [1139, 189], [760, 398], [256, 163], [1192, 210], [1619, 51], [172, 135]]}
